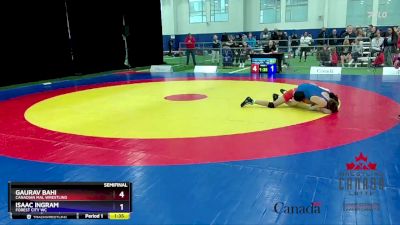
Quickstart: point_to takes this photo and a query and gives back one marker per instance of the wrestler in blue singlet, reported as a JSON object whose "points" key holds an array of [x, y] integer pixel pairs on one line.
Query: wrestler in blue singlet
{"points": [[310, 90]]}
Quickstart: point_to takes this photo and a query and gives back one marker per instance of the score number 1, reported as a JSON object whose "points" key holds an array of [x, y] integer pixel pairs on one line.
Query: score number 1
{"points": [[118, 196], [122, 196]]}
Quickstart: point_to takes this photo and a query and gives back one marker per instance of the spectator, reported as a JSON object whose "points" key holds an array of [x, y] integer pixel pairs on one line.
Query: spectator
{"points": [[396, 61], [231, 41], [322, 37], [371, 31], [236, 47], [251, 41], [227, 56], [281, 40], [244, 54], [398, 39], [345, 51], [376, 43], [389, 44], [312, 50], [227, 52], [190, 42], [356, 50], [379, 60], [349, 34], [265, 36], [224, 38], [334, 57], [244, 38], [359, 32], [305, 42], [342, 34], [238, 38], [294, 43], [274, 35], [171, 45], [324, 56], [215, 49], [270, 48], [321, 42], [334, 38], [396, 29]]}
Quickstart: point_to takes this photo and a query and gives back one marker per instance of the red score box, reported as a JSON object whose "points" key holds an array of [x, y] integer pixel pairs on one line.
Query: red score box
{"points": [[122, 194], [255, 68]]}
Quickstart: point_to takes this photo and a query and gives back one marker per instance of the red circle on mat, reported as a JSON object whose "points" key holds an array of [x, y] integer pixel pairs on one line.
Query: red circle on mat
{"points": [[185, 97], [363, 114]]}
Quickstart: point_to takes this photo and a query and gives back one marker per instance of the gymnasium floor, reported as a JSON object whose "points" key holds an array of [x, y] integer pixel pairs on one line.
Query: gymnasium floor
{"points": [[195, 157]]}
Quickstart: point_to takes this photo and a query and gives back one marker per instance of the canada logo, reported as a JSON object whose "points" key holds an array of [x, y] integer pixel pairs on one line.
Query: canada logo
{"points": [[361, 163]]}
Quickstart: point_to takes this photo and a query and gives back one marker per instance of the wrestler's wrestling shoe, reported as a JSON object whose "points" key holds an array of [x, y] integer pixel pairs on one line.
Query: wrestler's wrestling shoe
{"points": [[275, 97], [282, 91], [247, 101], [271, 105]]}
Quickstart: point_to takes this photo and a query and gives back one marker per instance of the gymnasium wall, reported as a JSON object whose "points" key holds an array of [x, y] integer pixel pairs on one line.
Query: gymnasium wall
{"points": [[244, 16]]}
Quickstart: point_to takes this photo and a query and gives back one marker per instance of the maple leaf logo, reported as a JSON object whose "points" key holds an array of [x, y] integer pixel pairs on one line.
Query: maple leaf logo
{"points": [[316, 204], [361, 163]]}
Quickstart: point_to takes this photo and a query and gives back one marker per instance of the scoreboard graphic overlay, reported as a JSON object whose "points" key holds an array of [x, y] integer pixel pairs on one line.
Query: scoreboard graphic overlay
{"points": [[263, 65], [82, 200]]}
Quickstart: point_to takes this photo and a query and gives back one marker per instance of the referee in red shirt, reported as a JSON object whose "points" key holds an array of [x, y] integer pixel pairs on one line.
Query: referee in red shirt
{"points": [[190, 42]]}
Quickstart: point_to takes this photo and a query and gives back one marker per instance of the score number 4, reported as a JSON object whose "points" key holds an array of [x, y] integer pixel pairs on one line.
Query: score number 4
{"points": [[122, 196]]}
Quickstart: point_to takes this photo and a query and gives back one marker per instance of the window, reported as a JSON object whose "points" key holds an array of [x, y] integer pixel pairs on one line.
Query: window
{"points": [[270, 11], [359, 12], [219, 10], [296, 10], [388, 13], [197, 12]]}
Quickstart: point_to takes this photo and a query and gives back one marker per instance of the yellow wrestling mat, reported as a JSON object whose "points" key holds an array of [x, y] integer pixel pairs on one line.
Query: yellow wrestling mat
{"points": [[141, 110]]}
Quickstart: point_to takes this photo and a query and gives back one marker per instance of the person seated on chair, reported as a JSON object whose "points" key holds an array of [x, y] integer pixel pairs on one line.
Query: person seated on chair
{"points": [[324, 56], [227, 56], [356, 50], [334, 57], [376, 43], [349, 34], [334, 38], [345, 53], [396, 61], [270, 48], [306, 95], [251, 41], [379, 60]]}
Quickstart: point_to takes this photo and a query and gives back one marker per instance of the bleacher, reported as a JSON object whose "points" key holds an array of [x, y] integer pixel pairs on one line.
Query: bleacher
{"points": [[366, 58]]}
